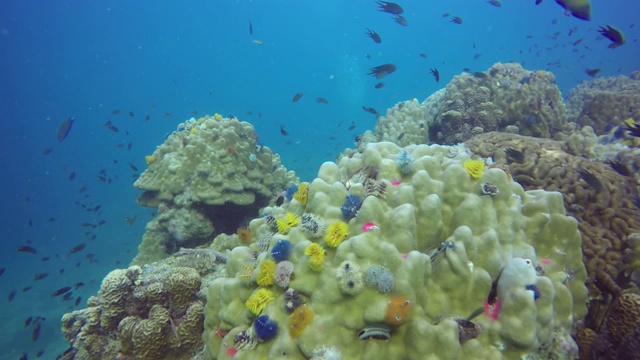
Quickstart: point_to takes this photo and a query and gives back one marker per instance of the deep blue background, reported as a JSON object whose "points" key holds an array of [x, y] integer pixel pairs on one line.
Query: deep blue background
{"points": [[87, 58]]}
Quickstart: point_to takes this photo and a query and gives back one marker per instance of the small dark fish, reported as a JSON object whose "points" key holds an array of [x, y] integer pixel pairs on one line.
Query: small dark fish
{"points": [[580, 9], [82, 189], [2, 270], [78, 300], [352, 126], [383, 70], [67, 296], [35, 333], [250, 28], [109, 125], [45, 259], [400, 136], [133, 167], [279, 201], [495, 3], [26, 249], [592, 72], [30, 222], [26, 288], [78, 285], [167, 115], [476, 56], [40, 276], [480, 75], [578, 42], [435, 73], [320, 100], [283, 131], [39, 353], [374, 36], [64, 128], [77, 248], [613, 34], [389, 7], [147, 117], [27, 321], [590, 179], [538, 2], [619, 167], [115, 112], [423, 55], [515, 155], [61, 271], [379, 85], [446, 15], [131, 220], [401, 20], [370, 110], [131, 114], [297, 96], [47, 151], [102, 222], [72, 176], [60, 291], [24, 356], [456, 20], [11, 296], [51, 219]]}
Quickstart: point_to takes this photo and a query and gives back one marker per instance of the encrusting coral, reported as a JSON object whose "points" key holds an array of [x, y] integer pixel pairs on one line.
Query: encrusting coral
{"points": [[435, 244]]}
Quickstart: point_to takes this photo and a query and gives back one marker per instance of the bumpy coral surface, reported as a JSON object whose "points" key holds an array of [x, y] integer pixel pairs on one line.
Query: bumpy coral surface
{"points": [[443, 241], [149, 313], [407, 122], [506, 95], [607, 216], [604, 101], [212, 165]]}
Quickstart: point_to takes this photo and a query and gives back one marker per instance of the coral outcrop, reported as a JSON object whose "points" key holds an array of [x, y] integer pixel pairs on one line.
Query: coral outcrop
{"points": [[604, 102], [506, 97], [155, 312], [207, 177], [408, 122], [414, 273], [606, 209]]}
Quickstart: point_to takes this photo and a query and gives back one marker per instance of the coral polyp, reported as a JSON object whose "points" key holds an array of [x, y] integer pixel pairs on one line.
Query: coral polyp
{"points": [[259, 300], [299, 319], [266, 273], [398, 310], [281, 250], [265, 328], [285, 224], [312, 225], [302, 194], [351, 206]]}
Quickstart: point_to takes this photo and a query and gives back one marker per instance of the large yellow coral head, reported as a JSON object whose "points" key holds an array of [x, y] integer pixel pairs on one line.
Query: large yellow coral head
{"points": [[267, 273], [259, 300], [285, 224], [337, 232], [474, 167], [302, 194], [316, 256]]}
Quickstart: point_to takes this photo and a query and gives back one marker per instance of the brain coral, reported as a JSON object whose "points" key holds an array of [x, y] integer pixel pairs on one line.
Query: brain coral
{"points": [[504, 96], [151, 313], [604, 101], [438, 202]]}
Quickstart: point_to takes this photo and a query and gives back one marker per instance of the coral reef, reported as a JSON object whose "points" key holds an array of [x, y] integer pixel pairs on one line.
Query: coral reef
{"points": [[407, 122], [604, 102], [154, 312], [504, 96], [441, 240], [607, 213], [209, 174]]}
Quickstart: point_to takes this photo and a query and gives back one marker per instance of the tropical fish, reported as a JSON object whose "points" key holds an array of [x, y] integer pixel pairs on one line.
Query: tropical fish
{"points": [[64, 128], [435, 73], [456, 20], [47, 151], [115, 112], [11, 296], [379, 85], [258, 42], [580, 9], [78, 300], [401, 20], [370, 110], [495, 3], [352, 126], [389, 7], [374, 36], [383, 70], [400, 136], [133, 167], [590, 179], [515, 155], [27, 321], [60, 291], [613, 34], [26, 249], [131, 220], [131, 114], [283, 131], [250, 28], [297, 96], [109, 125], [320, 100], [35, 334], [77, 248], [592, 72], [40, 276]]}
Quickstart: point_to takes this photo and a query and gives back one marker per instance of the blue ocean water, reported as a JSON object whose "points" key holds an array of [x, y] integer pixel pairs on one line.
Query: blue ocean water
{"points": [[169, 59]]}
